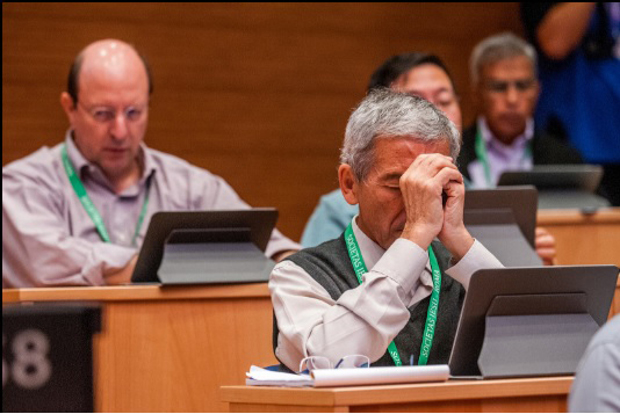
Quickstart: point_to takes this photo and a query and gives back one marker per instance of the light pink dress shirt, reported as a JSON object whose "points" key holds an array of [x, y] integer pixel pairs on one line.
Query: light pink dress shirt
{"points": [[502, 157], [49, 239]]}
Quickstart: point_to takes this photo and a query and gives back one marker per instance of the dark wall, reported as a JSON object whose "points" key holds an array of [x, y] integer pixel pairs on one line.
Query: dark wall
{"points": [[257, 93]]}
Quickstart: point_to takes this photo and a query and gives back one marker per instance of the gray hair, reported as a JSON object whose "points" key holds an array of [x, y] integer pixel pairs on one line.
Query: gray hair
{"points": [[385, 113], [499, 47]]}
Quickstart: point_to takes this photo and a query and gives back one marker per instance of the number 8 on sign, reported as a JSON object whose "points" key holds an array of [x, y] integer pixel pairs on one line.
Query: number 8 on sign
{"points": [[31, 369]]}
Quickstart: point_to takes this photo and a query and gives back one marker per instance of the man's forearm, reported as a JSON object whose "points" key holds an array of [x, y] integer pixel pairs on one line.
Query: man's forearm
{"points": [[562, 29], [122, 276]]}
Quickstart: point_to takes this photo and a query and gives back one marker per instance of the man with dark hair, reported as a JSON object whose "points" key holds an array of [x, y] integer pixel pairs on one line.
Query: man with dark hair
{"points": [[394, 67], [77, 213], [384, 288]]}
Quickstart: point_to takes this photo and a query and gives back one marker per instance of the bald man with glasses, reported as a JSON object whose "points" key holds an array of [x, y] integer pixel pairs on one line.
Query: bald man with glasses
{"points": [[77, 213]]}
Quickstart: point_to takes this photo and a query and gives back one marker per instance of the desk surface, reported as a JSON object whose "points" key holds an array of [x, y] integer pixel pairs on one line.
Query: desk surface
{"points": [[510, 394], [584, 238], [135, 293], [569, 217]]}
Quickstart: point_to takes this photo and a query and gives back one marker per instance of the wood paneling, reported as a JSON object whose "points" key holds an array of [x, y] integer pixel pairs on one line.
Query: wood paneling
{"points": [[264, 87], [170, 349], [508, 395]]}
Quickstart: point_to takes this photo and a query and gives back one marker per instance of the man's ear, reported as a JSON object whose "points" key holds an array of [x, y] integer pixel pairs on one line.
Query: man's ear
{"points": [[348, 184], [67, 105]]}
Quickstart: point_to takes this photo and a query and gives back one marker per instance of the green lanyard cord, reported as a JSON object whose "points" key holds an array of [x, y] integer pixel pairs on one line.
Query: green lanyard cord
{"points": [[89, 206], [360, 268], [481, 154]]}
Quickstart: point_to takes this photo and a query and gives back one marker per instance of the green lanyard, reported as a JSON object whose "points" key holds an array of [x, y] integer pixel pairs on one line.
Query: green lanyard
{"points": [[481, 153], [88, 204], [360, 268]]}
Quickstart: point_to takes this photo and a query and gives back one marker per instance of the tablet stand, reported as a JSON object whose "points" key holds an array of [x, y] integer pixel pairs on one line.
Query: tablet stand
{"points": [[537, 334], [215, 255], [498, 231]]}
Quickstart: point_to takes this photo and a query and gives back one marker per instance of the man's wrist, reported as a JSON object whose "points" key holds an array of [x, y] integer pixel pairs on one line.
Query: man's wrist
{"points": [[421, 237], [458, 244]]}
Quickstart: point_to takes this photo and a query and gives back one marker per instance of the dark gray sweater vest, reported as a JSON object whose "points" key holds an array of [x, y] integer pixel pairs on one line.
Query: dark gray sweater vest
{"points": [[330, 266]]}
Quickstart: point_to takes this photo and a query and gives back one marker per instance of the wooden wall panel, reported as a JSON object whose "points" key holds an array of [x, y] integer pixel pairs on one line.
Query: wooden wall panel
{"points": [[257, 93]]}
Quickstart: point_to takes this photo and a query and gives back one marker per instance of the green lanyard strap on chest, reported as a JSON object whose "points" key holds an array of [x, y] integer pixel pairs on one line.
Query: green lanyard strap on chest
{"points": [[89, 206], [481, 154], [360, 269]]}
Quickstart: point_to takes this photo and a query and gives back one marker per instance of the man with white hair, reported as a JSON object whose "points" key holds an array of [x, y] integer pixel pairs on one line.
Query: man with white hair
{"points": [[385, 289]]}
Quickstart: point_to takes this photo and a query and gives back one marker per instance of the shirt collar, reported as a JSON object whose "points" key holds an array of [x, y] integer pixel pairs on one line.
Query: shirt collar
{"points": [[86, 168], [371, 251], [491, 140]]}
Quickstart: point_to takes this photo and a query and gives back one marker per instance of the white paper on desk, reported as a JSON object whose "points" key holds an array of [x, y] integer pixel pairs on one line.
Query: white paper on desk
{"points": [[380, 375], [261, 376]]}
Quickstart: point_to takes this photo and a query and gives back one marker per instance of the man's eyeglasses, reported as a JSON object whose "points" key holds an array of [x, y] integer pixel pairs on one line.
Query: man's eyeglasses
{"points": [[104, 114], [319, 362], [521, 85]]}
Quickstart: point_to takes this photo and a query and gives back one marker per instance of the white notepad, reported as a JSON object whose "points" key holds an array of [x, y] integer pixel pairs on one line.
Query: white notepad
{"points": [[350, 376]]}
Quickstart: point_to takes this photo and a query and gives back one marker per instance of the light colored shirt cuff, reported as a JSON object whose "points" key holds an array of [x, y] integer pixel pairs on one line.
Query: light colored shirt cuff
{"points": [[403, 262], [476, 258], [105, 258]]}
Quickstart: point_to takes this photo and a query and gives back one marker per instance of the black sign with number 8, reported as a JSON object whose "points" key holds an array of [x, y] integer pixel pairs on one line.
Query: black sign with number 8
{"points": [[47, 357]]}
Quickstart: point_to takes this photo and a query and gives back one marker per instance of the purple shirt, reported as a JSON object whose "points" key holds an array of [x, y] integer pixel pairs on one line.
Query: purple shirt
{"points": [[501, 157], [49, 239]]}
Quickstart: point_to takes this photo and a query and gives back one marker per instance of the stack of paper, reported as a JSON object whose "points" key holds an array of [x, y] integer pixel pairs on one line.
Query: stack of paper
{"points": [[261, 376], [350, 376]]}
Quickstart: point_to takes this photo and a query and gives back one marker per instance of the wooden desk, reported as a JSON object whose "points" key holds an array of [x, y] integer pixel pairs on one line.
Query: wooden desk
{"points": [[513, 395], [585, 239], [170, 349]]}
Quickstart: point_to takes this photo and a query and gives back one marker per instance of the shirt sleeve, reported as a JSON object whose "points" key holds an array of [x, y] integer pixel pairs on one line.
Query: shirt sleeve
{"points": [[363, 320], [37, 247], [597, 381], [477, 257]]}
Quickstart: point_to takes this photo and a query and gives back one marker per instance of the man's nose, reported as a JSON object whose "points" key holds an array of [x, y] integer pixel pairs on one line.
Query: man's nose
{"points": [[119, 128], [512, 94]]}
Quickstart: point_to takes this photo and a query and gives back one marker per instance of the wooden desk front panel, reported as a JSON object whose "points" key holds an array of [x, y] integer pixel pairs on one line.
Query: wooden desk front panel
{"points": [[511, 395], [584, 239], [174, 355], [170, 350], [551, 404]]}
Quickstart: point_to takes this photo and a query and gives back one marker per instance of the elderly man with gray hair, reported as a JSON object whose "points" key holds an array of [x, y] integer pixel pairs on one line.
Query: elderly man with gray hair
{"points": [[385, 288], [504, 137]]}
